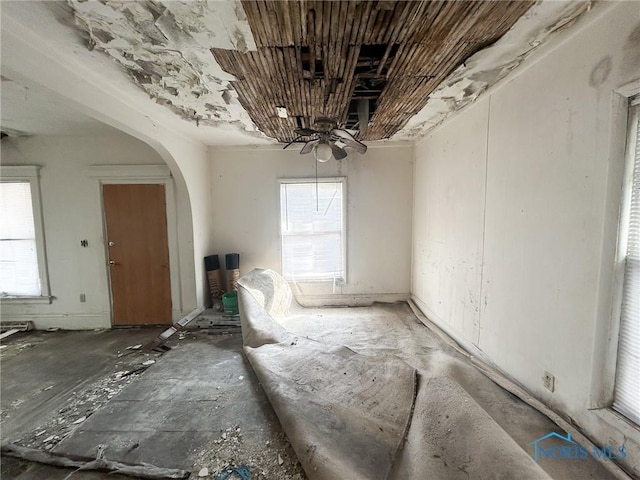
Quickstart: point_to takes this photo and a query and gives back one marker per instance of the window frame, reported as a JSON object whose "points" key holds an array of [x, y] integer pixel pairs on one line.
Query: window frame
{"points": [[604, 349], [343, 227], [31, 174], [633, 116]]}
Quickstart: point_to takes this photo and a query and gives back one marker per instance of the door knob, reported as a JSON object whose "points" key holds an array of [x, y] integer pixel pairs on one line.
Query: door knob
{"points": [[111, 263], [112, 244]]}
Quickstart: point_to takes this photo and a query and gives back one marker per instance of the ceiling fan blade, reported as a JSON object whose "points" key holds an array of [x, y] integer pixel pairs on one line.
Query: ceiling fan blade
{"points": [[338, 152], [348, 140], [309, 146], [359, 147], [297, 139], [342, 133], [305, 132]]}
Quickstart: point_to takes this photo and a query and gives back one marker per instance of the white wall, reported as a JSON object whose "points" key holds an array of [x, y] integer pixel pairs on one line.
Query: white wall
{"points": [[47, 54], [246, 216], [515, 219], [72, 211]]}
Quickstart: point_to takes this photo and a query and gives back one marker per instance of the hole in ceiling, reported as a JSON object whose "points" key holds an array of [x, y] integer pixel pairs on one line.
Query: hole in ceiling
{"points": [[312, 68], [372, 60]]}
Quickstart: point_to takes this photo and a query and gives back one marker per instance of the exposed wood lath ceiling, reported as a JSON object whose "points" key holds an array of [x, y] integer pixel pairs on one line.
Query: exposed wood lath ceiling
{"points": [[321, 58]]}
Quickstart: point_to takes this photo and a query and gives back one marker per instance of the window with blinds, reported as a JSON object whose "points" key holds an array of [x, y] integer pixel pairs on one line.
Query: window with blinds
{"points": [[312, 225], [19, 273], [627, 386]]}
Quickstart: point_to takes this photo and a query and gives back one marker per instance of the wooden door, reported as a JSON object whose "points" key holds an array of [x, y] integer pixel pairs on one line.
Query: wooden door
{"points": [[138, 251]]}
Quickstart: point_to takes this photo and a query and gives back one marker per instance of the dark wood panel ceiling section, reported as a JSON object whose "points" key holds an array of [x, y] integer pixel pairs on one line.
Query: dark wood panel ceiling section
{"points": [[323, 58]]}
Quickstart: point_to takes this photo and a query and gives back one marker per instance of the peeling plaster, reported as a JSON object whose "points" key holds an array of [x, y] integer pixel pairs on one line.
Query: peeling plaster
{"points": [[165, 48], [490, 65]]}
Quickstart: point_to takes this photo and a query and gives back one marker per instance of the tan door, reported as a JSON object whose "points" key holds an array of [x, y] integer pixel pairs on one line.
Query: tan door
{"points": [[138, 252]]}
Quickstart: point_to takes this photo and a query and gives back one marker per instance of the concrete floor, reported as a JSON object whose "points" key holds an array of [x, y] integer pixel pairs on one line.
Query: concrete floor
{"points": [[199, 405]]}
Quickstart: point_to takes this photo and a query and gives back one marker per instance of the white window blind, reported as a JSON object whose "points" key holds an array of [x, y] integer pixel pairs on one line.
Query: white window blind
{"points": [[312, 230], [627, 387], [19, 273]]}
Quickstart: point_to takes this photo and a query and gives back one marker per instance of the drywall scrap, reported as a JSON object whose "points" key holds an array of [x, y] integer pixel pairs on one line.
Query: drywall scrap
{"points": [[492, 64], [165, 48]]}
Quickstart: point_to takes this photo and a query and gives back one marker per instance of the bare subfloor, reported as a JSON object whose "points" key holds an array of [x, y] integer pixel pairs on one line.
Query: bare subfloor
{"points": [[199, 405]]}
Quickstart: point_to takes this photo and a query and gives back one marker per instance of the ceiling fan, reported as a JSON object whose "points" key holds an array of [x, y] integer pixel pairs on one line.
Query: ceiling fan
{"points": [[326, 140]]}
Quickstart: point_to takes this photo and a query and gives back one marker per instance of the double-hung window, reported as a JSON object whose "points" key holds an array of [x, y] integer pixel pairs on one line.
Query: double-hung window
{"points": [[627, 385], [23, 274], [312, 229]]}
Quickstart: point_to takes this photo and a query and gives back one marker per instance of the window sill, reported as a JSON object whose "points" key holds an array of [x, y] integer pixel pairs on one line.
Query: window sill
{"points": [[337, 282], [617, 420], [26, 299]]}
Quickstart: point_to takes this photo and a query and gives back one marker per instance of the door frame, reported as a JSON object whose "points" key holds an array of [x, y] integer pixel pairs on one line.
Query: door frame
{"points": [[142, 174]]}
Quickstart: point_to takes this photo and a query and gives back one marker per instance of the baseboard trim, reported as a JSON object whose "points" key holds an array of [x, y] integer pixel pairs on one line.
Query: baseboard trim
{"points": [[349, 300], [431, 320], [64, 321], [510, 384]]}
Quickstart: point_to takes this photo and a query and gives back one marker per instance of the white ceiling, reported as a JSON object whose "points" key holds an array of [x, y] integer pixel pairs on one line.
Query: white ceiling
{"points": [[37, 111]]}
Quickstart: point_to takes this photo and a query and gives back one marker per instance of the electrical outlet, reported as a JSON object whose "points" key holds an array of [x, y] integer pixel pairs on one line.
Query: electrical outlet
{"points": [[83, 298], [549, 381]]}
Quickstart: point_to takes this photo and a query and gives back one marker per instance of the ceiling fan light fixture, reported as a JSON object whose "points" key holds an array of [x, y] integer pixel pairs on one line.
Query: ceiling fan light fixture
{"points": [[323, 152]]}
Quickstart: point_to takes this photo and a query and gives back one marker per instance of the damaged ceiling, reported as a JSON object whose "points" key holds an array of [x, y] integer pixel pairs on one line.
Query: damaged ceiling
{"points": [[403, 64], [164, 46], [322, 59]]}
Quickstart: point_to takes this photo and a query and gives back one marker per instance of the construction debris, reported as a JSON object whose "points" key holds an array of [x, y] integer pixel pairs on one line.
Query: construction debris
{"points": [[84, 403], [145, 471], [233, 451], [169, 332], [20, 326], [217, 323], [8, 333], [243, 472]]}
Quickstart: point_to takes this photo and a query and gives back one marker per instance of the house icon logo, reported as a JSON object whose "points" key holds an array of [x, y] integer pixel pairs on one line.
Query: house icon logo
{"points": [[565, 448], [537, 446]]}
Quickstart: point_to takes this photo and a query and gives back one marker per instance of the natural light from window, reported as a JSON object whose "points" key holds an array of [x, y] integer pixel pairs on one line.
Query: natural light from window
{"points": [[19, 273], [312, 230], [627, 387]]}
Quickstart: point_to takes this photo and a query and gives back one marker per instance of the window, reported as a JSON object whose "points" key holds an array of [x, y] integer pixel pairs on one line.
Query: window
{"points": [[627, 386], [312, 229], [22, 264]]}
